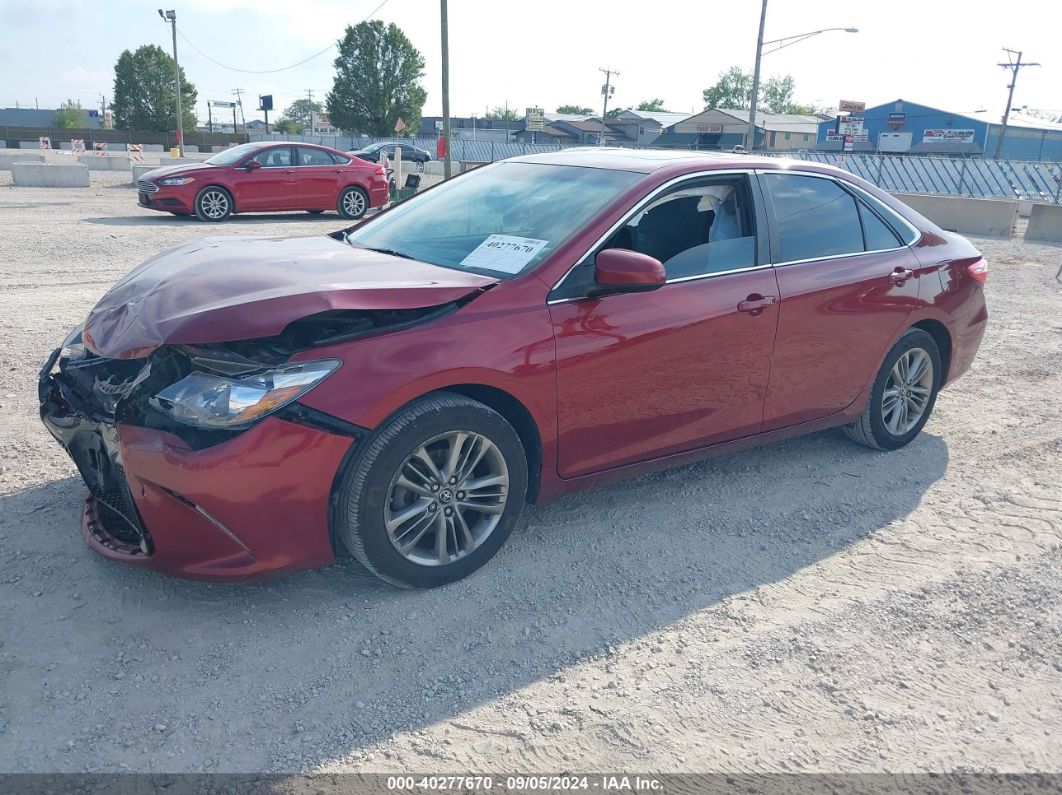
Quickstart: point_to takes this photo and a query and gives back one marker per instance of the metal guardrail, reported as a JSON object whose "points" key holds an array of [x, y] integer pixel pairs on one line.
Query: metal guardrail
{"points": [[952, 176]]}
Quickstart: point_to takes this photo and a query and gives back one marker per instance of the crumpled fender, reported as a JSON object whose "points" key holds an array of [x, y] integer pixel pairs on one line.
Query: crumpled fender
{"points": [[228, 289]]}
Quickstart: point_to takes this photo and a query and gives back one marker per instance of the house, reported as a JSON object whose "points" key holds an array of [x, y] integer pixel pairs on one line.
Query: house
{"points": [[717, 128]]}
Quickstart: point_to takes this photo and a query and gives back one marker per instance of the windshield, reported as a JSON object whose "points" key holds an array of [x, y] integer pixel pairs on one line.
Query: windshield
{"points": [[233, 155], [499, 220]]}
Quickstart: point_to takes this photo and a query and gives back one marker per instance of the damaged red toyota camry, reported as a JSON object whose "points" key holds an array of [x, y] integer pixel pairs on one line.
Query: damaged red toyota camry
{"points": [[399, 390]]}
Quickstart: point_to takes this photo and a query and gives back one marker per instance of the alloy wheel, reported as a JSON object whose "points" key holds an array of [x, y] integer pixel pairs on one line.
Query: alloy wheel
{"points": [[907, 391], [214, 204], [446, 498], [353, 203]]}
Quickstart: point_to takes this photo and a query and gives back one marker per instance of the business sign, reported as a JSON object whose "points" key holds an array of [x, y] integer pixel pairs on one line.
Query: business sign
{"points": [[711, 129], [851, 106], [853, 125], [897, 120], [535, 118], [944, 136], [859, 138]]}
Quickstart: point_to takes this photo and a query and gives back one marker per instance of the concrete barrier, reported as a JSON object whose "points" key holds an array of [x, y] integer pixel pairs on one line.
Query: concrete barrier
{"points": [[191, 148], [50, 175], [154, 148], [7, 159], [995, 217], [106, 162], [139, 171], [1045, 223]]}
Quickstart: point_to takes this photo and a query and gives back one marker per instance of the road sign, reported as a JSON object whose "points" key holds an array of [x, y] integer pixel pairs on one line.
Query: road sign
{"points": [[851, 106]]}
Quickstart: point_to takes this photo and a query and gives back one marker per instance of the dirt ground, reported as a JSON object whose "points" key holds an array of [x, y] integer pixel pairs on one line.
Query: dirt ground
{"points": [[808, 606]]}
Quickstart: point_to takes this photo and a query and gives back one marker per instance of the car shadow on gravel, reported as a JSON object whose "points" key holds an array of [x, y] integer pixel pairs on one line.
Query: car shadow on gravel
{"points": [[304, 670], [236, 220]]}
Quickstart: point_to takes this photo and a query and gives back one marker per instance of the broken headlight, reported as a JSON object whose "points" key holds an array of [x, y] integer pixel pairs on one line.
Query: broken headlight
{"points": [[207, 400]]}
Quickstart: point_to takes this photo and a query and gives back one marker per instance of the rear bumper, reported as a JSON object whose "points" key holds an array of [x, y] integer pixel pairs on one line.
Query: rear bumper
{"points": [[255, 505]]}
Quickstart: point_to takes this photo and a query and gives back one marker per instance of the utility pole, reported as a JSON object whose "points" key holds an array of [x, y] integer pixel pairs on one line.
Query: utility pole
{"points": [[606, 90], [1014, 66], [171, 17], [103, 112], [447, 162], [750, 133]]}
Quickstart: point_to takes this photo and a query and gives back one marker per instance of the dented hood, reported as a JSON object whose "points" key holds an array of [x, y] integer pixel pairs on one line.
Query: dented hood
{"points": [[226, 289]]}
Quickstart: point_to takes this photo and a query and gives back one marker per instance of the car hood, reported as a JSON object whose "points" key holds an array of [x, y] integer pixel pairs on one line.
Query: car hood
{"points": [[228, 289], [170, 171]]}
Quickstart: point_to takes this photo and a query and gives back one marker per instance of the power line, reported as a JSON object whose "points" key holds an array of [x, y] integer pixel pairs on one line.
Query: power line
{"points": [[282, 68]]}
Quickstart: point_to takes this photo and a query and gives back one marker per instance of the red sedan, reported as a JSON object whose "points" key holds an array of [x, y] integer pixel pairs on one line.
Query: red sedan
{"points": [[401, 389], [260, 177]]}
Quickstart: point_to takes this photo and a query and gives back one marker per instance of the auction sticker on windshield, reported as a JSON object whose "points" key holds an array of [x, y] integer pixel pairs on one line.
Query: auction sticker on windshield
{"points": [[504, 253]]}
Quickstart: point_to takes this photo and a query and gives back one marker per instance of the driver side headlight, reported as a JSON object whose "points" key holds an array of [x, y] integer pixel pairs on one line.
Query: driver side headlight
{"points": [[206, 400]]}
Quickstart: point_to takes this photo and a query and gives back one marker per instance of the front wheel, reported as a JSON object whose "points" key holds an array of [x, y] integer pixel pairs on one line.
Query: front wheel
{"points": [[434, 493], [903, 394], [353, 202], [213, 204]]}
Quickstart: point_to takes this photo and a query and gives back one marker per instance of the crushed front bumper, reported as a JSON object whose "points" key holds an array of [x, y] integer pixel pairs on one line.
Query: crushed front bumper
{"points": [[253, 505]]}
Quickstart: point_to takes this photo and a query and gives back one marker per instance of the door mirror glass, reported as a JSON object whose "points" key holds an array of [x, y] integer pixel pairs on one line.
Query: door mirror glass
{"points": [[619, 270]]}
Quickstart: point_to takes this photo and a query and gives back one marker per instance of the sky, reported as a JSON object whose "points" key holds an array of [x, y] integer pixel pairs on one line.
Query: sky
{"points": [[547, 52]]}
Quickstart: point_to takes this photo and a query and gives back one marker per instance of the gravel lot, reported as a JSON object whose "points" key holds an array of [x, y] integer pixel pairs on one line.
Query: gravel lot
{"points": [[809, 606]]}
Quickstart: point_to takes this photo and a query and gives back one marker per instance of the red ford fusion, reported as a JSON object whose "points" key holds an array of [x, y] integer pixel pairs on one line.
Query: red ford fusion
{"points": [[259, 177], [400, 389]]}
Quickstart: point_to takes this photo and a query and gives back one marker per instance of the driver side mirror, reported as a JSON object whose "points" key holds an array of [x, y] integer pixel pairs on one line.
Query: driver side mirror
{"points": [[620, 270], [251, 165]]}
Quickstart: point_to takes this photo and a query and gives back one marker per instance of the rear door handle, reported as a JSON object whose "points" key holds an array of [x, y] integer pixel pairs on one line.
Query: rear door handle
{"points": [[900, 275], [755, 304]]}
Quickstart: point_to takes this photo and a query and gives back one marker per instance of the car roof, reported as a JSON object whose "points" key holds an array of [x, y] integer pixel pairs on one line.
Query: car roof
{"points": [[645, 160]]}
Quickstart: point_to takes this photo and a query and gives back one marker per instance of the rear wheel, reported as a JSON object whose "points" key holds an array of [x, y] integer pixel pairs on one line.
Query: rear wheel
{"points": [[434, 493], [903, 394], [353, 202], [213, 204]]}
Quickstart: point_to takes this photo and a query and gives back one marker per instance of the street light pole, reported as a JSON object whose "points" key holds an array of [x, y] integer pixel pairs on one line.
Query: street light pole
{"points": [[447, 163], [171, 17], [786, 41], [750, 133]]}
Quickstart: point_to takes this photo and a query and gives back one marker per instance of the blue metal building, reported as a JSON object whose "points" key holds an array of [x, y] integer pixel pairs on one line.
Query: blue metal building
{"points": [[907, 127]]}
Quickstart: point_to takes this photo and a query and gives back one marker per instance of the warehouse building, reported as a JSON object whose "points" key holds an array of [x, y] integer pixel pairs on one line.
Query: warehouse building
{"points": [[903, 127]]}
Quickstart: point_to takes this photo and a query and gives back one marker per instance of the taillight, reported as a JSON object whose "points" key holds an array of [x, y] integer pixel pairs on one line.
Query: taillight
{"points": [[979, 271], [380, 171]]}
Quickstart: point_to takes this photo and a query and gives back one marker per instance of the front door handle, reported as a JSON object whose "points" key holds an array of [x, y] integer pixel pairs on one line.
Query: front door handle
{"points": [[900, 275], [756, 303]]}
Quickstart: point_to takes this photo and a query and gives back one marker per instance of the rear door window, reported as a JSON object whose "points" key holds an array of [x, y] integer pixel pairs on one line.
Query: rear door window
{"points": [[313, 157], [814, 218]]}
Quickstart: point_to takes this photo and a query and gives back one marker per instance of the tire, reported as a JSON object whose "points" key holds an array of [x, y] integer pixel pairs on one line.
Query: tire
{"points": [[353, 202], [371, 494], [884, 427], [213, 204]]}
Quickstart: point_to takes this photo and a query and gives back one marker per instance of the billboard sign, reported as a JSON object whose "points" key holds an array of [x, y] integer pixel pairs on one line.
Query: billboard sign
{"points": [[852, 125], [938, 136], [851, 106], [535, 118]]}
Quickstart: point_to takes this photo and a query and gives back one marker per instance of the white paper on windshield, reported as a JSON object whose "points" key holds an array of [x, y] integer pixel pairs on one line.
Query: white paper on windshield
{"points": [[504, 253]]}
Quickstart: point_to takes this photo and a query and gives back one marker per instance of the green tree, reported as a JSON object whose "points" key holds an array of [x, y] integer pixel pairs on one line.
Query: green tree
{"points": [[143, 92], [377, 80], [652, 105], [301, 111], [502, 114], [575, 109], [288, 126], [734, 91], [70, 115]]}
